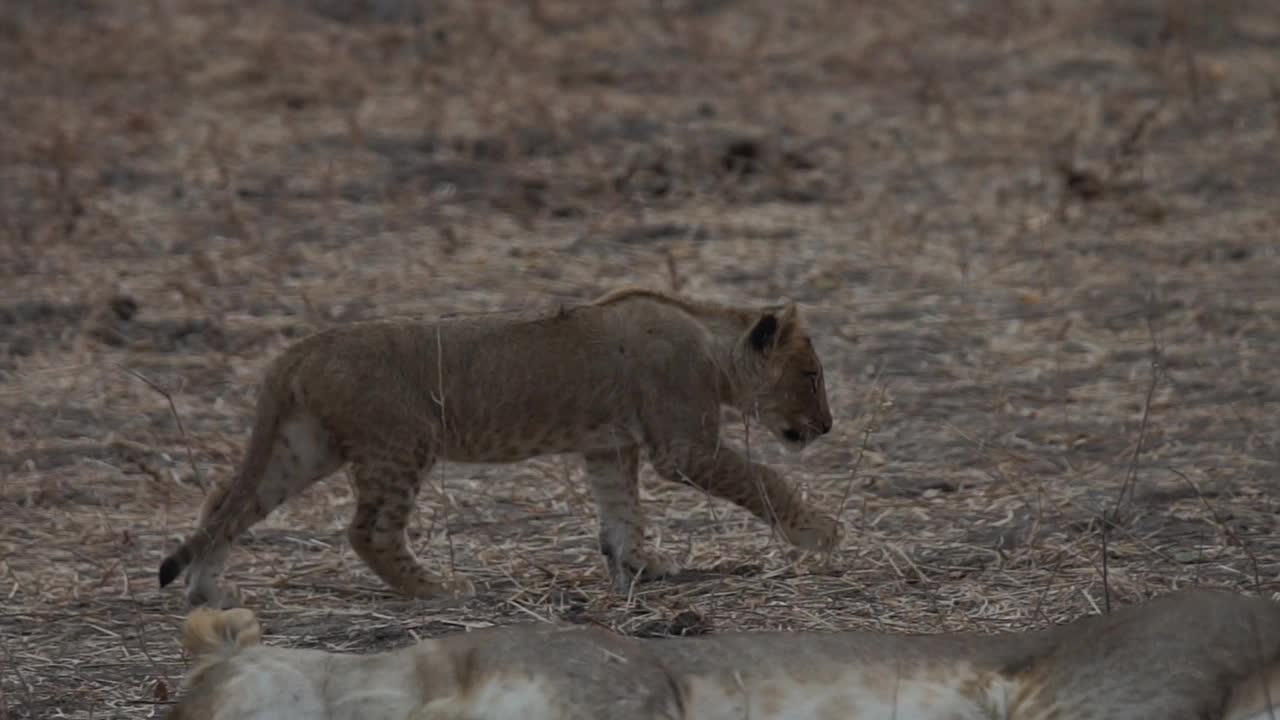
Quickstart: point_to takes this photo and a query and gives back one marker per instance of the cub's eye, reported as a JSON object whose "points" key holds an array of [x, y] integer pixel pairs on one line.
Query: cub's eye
{"points": [[813, 379]]}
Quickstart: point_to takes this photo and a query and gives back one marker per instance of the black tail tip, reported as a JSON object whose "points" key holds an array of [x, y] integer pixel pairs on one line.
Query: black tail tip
{"points": [[170, 569]]}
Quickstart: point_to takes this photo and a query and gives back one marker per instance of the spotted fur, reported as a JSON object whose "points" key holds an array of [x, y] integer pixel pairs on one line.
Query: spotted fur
{"points": [[634, 371]]}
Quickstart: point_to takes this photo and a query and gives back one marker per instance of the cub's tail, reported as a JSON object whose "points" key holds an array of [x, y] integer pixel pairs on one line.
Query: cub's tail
{"points": [[199, 543], [223, 513], [179, 559]]}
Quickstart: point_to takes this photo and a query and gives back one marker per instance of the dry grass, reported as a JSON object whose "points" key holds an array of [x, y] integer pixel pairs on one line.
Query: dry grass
{"points": [[1038, 241]]}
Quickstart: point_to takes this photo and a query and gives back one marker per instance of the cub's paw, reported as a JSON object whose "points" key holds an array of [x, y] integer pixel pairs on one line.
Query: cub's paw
{"points": [[428, 586], [645, 562], [817, 533], [458, 588], [652, 564], [454, 588]]}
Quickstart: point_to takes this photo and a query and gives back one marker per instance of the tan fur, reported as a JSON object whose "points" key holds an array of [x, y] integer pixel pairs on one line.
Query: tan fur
{"points": [[207, 632], [633, 372], [1258, 697], [1190, 655]]}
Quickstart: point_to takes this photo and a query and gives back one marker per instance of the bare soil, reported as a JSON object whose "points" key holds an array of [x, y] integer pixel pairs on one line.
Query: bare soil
{"points": [[1037, 240]]}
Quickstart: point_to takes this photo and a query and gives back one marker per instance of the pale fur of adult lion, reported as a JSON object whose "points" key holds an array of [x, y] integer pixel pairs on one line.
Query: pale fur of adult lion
{"points": [[1189, 655], [635, 370]]}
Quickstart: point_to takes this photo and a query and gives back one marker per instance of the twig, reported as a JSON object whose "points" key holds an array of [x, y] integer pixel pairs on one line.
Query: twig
{"points": [[1253, 559], [862, 448], [444, 490], [756, 481], [1038, 610], [173, 408], [1131, 477], [1106, 575], [1124, 155]]}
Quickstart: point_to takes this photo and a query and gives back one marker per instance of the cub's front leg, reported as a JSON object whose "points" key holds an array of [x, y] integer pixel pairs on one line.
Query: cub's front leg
{"points": [[724, 473], [615, 484]]}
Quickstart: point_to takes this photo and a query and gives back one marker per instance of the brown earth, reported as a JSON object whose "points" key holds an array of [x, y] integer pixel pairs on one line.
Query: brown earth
{"points": [[1037, 239]]}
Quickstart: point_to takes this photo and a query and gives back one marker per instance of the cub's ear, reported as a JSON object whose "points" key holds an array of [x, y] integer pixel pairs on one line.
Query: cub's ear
{"points": [[209, 631], [774, 325]]}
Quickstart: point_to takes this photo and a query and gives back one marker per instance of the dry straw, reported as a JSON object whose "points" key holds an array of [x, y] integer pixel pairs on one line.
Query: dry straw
{"points": [[1037, 247]]}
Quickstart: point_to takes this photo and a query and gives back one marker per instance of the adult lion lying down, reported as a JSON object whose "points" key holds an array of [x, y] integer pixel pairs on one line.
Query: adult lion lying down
{"points": [[1195, 654]]}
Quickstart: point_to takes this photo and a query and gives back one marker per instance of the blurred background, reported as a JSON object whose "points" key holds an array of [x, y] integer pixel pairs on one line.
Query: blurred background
{"points": [[1036, 240]]}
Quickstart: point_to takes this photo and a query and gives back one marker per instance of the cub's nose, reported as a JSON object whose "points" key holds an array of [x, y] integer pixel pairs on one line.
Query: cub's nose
{"points": [[824, 425]]}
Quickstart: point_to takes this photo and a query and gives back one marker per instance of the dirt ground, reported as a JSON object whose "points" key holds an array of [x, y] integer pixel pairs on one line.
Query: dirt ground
{"points": [[1037, 241]]}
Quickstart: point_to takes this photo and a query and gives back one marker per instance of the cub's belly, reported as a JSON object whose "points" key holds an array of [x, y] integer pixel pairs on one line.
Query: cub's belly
{"points": [[524, 441]]}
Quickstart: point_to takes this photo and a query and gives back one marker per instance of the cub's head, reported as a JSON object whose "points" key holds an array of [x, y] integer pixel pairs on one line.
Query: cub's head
{"points": [[784, 384], [234, 677]]}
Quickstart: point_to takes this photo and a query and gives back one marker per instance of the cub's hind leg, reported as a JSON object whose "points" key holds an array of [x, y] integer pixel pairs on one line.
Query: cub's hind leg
{"points": [[302, 452], [386, 491], [615, 484]]}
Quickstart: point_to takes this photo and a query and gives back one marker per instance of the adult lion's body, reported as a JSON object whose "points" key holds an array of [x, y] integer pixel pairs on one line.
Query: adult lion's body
{"points": [[1190, 655], [633, 371]]}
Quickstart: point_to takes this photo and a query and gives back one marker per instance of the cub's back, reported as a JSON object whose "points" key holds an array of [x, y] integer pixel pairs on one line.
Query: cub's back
{"points": [[501, 387]]}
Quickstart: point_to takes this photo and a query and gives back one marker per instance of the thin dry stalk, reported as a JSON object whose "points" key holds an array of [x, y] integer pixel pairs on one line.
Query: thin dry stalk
{"points": [[173, 410], [1225, 527], [862, 447], [1154, 348], [439, 399]]}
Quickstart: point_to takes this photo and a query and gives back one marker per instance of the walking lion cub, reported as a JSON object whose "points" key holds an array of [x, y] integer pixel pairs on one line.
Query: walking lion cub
{"points": [[634, 370], [1189, 655]]}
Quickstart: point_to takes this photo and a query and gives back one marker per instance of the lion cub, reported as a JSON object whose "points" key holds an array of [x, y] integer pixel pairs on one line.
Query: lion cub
{"points": [[634, 370], [1190, 654]]}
